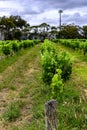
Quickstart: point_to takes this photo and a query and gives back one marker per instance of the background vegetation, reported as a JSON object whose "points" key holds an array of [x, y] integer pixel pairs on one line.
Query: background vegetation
{"points": [[14, 27]]}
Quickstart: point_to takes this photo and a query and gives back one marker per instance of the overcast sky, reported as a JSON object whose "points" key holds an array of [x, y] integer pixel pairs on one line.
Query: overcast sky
{"points": [[36, 12]]}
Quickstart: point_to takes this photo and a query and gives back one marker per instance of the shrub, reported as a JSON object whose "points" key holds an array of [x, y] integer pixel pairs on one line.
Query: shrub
{"points": [[57, 85], [27, 43], [47, 46], [6, 49], [65, 64], [49, 65], [36, 41], [15, 46], [51, 60]]}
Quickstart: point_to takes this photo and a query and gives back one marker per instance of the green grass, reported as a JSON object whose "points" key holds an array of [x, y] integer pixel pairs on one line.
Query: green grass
{"points": [[6, 62], [12, 111], [24, 91], [27, 81]]}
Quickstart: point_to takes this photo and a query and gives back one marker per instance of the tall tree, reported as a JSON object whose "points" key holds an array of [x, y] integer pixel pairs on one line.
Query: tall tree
{"points": [[34, 32], [12, 25], [84, 31], [69, 31], [44, 28], [18, 21], [7, 25]]}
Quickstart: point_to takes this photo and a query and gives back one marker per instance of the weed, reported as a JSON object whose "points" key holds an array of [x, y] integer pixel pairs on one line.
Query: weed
{"points": [[13, 111]]}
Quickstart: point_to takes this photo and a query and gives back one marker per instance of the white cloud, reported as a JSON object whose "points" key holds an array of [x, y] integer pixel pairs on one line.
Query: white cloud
{"points": [[38, 11], [10, 5], [7, 7]]}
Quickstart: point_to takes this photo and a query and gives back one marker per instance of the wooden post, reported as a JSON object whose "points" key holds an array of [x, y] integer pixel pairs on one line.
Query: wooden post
{"points": [[51, 115]]}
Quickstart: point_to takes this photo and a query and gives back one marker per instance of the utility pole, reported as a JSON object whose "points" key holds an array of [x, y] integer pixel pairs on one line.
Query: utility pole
{"points": [[60, 12]]}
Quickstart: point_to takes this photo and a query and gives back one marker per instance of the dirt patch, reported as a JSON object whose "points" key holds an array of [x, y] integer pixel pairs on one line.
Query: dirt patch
{"points": [[29, 71], [85, 90], [3, 99]]}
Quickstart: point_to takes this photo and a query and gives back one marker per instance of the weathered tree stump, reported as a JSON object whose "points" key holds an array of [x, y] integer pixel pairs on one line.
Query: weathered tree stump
{"points": [[51, 115]]}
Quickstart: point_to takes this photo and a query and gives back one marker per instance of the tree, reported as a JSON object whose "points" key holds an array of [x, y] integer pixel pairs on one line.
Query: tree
{"points": [[34, 29], [69, 31], [34, 32], [53, 33], [18, 21], [53, 28], [12, 25], [84, 31], [44, 28], [7, 25]]}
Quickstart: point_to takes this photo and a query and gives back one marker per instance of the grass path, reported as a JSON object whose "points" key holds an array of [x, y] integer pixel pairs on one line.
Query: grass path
{"points": [[16, 85], [76, 89]]}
